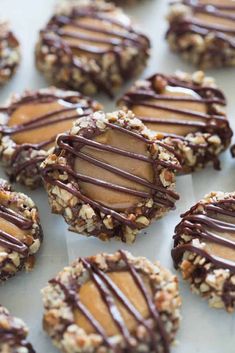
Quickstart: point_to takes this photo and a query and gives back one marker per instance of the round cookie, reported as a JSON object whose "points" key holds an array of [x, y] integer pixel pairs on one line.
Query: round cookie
{"points": [[20, 231], [91, 47], [9, 53], [187, 111], [13, 334], [204, 249], [108, 178], [31, 122], [203, 32], [136, 306]]}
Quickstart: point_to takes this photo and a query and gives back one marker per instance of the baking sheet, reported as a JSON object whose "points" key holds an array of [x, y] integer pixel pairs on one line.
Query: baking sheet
{"points": [[203, 330]]}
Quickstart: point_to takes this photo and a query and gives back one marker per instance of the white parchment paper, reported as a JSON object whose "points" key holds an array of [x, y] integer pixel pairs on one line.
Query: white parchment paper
{"points": [[203, 330]]}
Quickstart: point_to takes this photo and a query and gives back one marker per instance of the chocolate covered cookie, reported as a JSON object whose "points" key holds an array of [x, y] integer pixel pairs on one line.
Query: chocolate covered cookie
{"points": [[112, 303], [204, 249], [9, 53], [30, 124], [187, 111], [203, 31], [20, 231], [108, 178], [91, 46], [13, 334]]}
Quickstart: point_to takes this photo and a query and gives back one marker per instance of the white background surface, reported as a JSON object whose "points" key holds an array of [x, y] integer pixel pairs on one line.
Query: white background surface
{"points": [[203, 330]]}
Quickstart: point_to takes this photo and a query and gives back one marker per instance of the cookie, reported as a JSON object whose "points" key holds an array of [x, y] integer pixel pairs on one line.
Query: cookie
{"points": [[108, 178], [31, 122], [13, 334], [9, 53], [91, 46], [187, 111], [20, 231], [203, 32], [136, 306], [204, 249]]}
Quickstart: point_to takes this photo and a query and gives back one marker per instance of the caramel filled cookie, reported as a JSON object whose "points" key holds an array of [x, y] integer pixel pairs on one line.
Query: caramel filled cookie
{"points": [[20, 231], [112, 303], [13, 334], [108, 178], [203, 31], [9, 53], [204, 249], [30, 124], [91, 46], [187, 111]]}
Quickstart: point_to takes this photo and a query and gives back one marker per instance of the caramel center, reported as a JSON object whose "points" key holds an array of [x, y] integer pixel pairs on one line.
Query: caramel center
{"points": [[220, 250], [11, 229], [37, 113], [214, 19], [112, 198], [90, 296], [171, 118], [217, 2], [86, 40]]}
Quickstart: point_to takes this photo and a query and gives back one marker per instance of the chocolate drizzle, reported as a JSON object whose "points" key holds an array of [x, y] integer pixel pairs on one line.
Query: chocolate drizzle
{"points": [[207, 95], [69, 103], [7, 240], [199, 26], [72, 145], [205, 225], [109, 291], [116, 36], [211, 122]]}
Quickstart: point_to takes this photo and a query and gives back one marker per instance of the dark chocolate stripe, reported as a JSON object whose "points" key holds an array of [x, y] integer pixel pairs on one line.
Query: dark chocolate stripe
{"points": [[204, 122], [113, 169], [131, 36], [109, 300], [72, 298], [109, 291], [69, 142], [9, 241], [15, 218], [41, 121], [178, 110], [152, 308], [178, 252], [84, 141], [61, 141], [205, 225], [122, 298], [119, 217], [16, 339], [138, 94], [178, 82], [102, 183]]}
